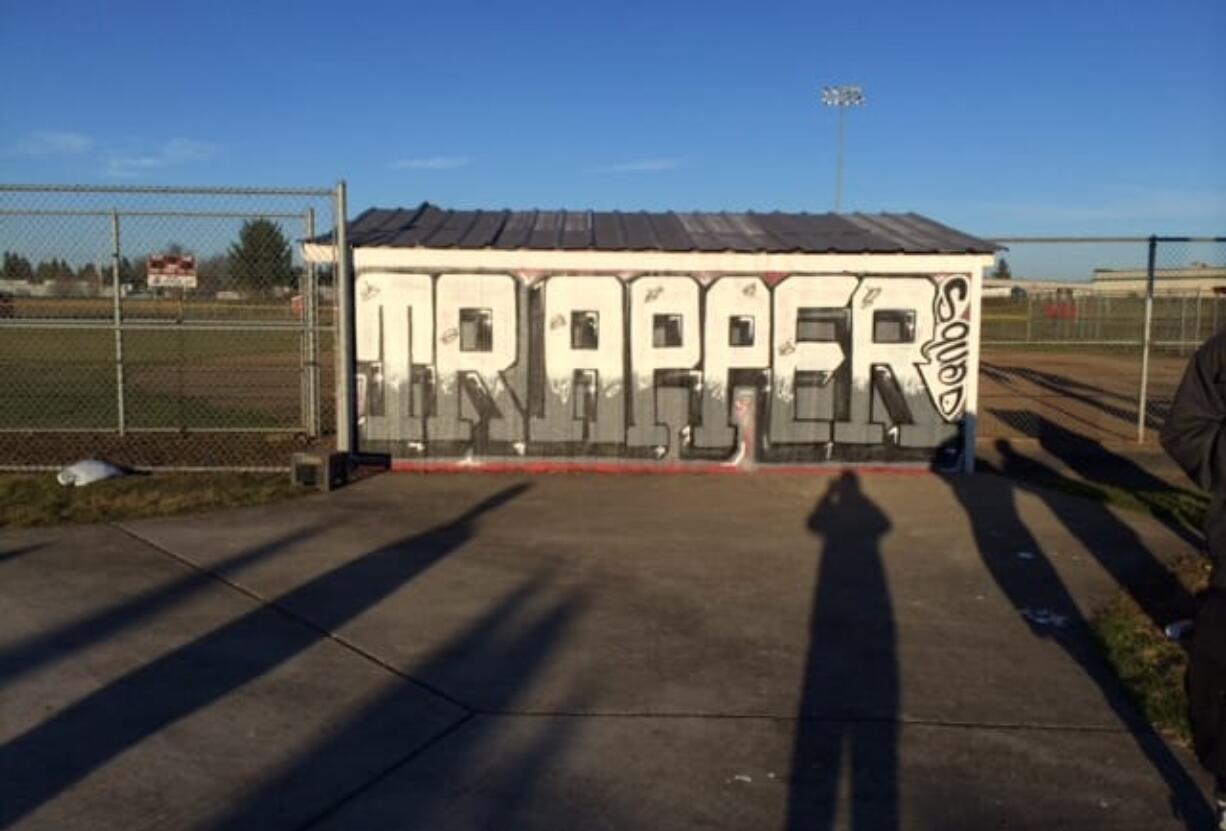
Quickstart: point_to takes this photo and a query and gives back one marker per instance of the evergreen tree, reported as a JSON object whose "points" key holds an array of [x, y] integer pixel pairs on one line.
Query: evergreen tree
{"points": [[45, 271], [1002, 270], [17, 267], [90, 275], [261, 259]]}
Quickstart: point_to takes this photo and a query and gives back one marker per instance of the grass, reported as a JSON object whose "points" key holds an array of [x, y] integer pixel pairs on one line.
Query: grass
{"points": [[1150, 666], [66, 379], [165, 308], [1171, 506], [28, 500]]}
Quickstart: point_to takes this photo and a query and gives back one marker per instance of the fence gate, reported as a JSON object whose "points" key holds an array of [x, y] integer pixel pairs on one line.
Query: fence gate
{"points": [[165, 327]]}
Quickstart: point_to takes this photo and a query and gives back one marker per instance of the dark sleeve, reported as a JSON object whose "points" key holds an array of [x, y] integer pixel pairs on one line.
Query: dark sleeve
{"points": [[1192, 434]]}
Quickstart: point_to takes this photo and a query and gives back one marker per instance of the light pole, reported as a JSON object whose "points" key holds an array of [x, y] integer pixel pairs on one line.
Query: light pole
{"points": [[841, 97]]}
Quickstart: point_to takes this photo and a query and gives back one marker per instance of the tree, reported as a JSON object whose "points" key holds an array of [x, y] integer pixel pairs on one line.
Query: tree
{"points": [[91, 277], [46, 271], [261, 259], [17, 267], [211, 274], [1002, 271], [125, 270]]}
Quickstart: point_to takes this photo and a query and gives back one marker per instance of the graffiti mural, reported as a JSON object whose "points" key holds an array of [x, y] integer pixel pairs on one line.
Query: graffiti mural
{"points": [[731, 369]]}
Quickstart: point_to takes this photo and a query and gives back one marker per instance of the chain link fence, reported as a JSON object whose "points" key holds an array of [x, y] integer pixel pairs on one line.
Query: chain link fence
{"points": [[181, 328], [163, 327], [1076, 345]]}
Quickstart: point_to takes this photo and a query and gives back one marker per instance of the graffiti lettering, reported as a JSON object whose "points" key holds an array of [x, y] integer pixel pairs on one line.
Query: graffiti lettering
{"points": [[805, 368], [947, 354]]}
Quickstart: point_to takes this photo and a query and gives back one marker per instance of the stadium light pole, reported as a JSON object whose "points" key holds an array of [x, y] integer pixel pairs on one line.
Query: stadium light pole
{"points": [[841, 97]]}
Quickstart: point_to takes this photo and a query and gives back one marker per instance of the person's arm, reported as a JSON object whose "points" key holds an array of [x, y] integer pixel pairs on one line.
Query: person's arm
{"points": [[1193, 432]]}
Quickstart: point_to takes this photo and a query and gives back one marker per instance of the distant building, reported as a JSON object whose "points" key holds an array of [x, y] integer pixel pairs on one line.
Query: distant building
{"points": [[1196, 279], [1017, 288]]}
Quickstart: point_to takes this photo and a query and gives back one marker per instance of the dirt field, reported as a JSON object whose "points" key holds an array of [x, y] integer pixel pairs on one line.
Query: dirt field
{"points": [[1042, 392]]}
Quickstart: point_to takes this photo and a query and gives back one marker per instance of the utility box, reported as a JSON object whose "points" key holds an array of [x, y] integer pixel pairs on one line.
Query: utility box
{"points": [[664, 341], [324, 471]]}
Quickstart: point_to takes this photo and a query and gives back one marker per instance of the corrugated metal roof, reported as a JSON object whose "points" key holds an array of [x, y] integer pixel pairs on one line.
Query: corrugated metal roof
{"points": [[429, 226]]}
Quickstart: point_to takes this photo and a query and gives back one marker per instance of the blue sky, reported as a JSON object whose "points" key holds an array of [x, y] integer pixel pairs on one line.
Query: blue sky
{"points": [[997, 117]]}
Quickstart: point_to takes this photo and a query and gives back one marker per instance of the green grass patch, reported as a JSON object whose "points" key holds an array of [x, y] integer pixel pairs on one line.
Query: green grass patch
{"points": [[184, 380], [1172, 506], [28, 500], [1149, 664]]}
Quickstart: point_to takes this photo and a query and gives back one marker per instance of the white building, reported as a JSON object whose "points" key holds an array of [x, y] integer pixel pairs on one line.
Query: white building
{"points": [[589, 339]]}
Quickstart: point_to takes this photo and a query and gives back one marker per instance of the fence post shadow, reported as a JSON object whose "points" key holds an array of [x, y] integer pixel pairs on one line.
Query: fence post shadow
{"points": [[48, 758], [1035, 589], [24, 656], [1112, 543], [850, 691], [509, 646]]}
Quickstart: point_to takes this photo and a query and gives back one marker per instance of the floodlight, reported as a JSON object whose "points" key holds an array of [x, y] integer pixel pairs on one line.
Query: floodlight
{"points": [[841, 97]]}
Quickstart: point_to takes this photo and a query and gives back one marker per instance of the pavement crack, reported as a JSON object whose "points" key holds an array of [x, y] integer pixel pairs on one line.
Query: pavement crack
{"points": [[299, 618], [905, 721], [370, 783]]}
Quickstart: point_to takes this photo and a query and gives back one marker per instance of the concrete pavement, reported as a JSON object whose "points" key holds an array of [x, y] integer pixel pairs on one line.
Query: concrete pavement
{"points": [[468, 651]]}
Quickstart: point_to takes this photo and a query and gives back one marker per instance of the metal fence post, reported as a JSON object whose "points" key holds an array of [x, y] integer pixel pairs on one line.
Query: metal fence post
{"points": [[1196, 335], [346, 367], [1183, 322], [1145, 337], [310, 322], [117, 321]]}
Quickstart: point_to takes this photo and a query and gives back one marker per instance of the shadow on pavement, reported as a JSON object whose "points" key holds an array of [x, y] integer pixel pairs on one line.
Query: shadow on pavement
{"points": [[63, 641], [1101, 467], [14, 553], [505, 649], [1034, 587], [49, 758], [849, 700], [1115, 545]]}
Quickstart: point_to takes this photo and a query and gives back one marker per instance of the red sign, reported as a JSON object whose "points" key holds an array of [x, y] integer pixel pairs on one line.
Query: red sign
{"points": [[171, 271]]}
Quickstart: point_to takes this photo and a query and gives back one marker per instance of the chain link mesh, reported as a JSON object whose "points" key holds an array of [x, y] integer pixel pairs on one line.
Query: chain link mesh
{"points": [[238, 369], [106, 351], [1062, 340], [1187, 310]]}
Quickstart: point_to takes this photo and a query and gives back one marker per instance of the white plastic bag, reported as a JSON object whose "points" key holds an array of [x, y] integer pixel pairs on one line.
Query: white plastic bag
{"points": [[88, 471]]}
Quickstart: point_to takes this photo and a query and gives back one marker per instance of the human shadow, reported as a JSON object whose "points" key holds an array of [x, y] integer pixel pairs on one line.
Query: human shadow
{"points": [[1114, 544], [47, 759], [1103, 468], [850, 694], [60, 642], [501, 653], [1035, 589]]}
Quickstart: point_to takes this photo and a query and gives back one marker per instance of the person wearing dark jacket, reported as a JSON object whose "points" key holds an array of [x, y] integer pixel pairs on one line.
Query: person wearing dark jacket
{"points": [[1195, 437]]}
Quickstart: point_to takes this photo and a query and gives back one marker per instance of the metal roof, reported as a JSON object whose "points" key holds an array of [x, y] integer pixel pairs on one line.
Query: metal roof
{"points": [[429, 226]]}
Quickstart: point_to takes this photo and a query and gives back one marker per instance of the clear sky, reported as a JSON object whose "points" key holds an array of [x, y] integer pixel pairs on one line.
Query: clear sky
{"points": [[1085, 116]]}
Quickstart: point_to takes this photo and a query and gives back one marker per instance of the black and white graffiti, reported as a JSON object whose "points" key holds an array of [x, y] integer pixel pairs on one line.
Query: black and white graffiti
{"points": [[733, 368]]}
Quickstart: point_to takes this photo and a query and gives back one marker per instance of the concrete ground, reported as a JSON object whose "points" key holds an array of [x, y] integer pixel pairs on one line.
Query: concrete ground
{"points": [[585, 652]]}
